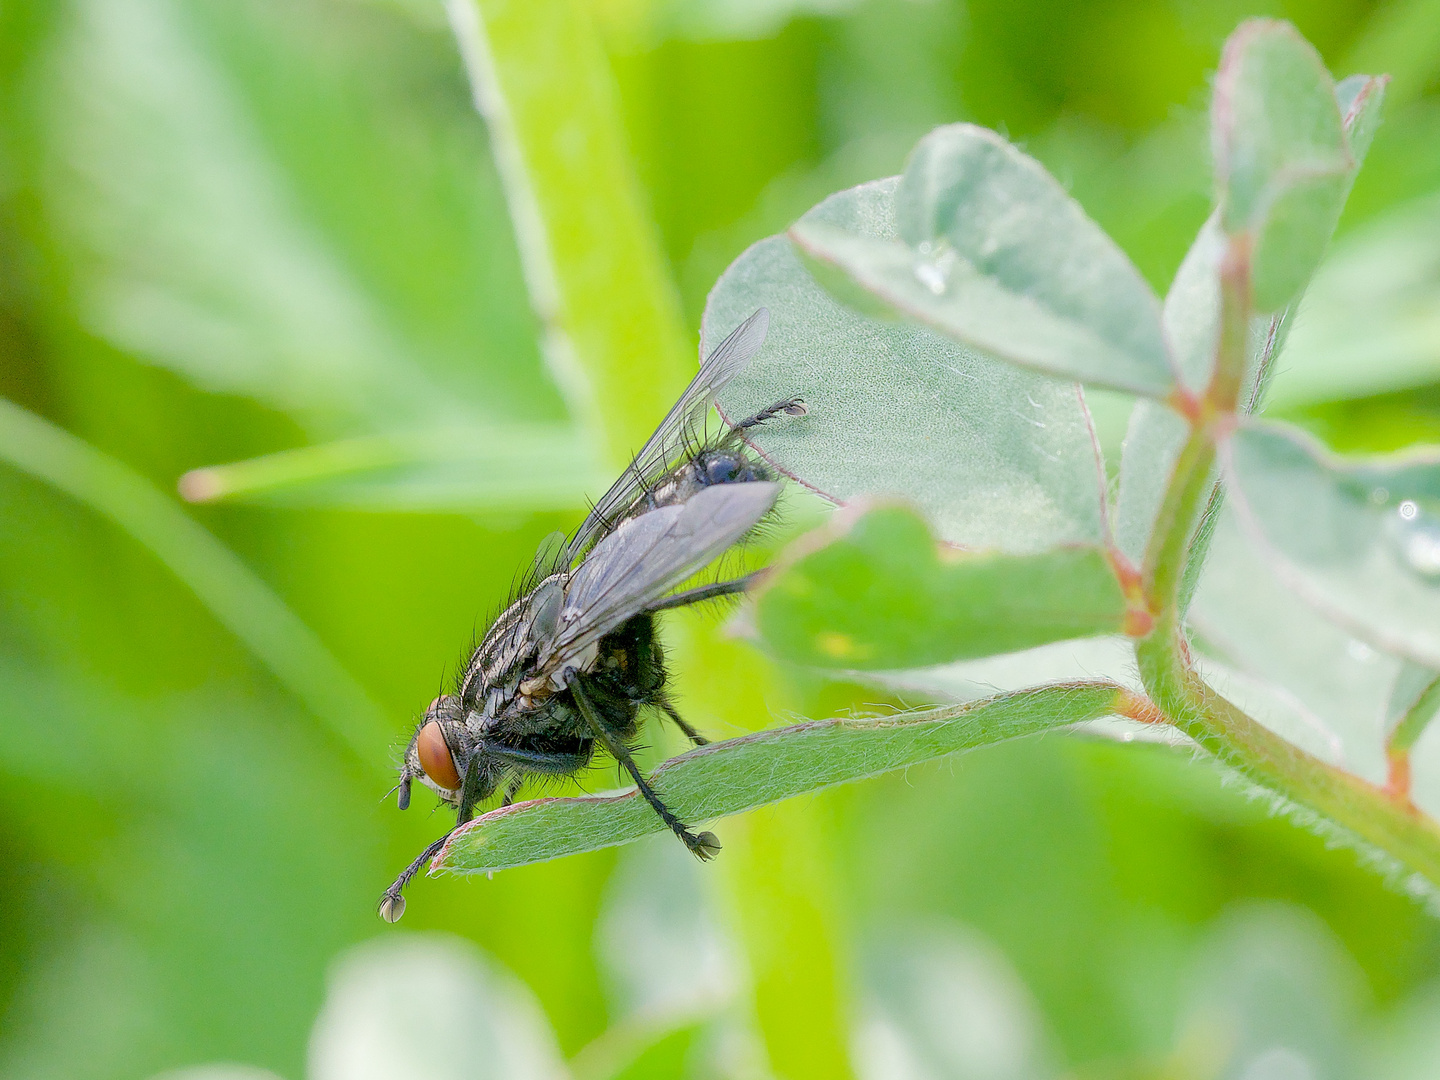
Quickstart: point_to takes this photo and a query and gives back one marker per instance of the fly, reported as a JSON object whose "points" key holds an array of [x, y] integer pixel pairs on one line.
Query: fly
{"points": [[567, 668]]}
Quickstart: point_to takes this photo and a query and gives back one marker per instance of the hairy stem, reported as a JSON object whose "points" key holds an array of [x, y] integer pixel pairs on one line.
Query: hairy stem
{"points": [[1373, 820]]}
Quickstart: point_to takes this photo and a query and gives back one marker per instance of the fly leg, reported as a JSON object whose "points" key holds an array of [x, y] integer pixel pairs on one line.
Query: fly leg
{"points": [[703, 845], [680, 722], [392, 904], [512, 787], [789, 406], [706, 592]]}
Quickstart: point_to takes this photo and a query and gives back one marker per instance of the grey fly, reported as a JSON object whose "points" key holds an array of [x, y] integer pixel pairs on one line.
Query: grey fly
{"points": [[568, 666]]}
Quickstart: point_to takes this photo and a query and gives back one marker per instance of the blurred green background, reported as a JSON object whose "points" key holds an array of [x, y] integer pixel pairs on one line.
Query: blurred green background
{"points": [[229, 230]]}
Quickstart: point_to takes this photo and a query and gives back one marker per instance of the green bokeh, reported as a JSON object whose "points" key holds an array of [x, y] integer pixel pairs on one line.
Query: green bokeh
{"points": [[186, 848]]}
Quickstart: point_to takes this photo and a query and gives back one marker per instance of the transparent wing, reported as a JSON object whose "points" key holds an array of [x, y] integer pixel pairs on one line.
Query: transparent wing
{"points": [[722, 365], [646, 557]]}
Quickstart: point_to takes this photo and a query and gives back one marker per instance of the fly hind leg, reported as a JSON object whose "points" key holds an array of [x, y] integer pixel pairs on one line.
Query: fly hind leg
{"points": [[703, 845]]}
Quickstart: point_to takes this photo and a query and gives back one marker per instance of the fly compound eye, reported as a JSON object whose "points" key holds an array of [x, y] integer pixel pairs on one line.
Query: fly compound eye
{"points": [[435, 757]]}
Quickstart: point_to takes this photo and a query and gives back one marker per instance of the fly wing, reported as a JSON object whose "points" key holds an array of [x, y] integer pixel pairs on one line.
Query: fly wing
{"points": [[646, 557], [722, 365]]}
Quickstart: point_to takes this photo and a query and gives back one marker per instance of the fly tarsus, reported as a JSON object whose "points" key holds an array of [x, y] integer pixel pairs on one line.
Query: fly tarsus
{"points": [[789, 406], [702, 845], [392, 904]]}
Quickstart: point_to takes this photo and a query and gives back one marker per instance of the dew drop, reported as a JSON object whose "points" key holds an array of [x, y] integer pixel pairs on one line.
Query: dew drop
{"points": [[1379, 496], [934, 263], [1416, 535]]}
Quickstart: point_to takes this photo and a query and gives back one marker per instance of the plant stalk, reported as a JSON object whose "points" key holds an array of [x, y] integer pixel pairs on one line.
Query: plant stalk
{"points": [[1377, 823]]}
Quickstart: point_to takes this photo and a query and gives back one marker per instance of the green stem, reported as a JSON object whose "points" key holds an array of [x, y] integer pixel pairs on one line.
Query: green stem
{"points": [[1375, 821], [1393, 827]]}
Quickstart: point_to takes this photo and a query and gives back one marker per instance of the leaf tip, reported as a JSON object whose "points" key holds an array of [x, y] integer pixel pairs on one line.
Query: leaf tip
{"points": [[202, 485]]}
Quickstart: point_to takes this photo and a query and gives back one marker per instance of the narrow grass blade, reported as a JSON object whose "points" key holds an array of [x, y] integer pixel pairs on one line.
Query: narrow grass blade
{"points": [[239, 599]]}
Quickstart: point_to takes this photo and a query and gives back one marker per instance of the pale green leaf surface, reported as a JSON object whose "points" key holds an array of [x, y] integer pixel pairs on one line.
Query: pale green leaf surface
{"points": [[1272, 994], [873, 591], [946, 1002], [429, 1007], [996, 456], [1302, 677], [1281, 162], [1414, 702], [1358, 539], [1192, 325], [1155, 432], [1104, 657], [731, 777], [992, 251]]}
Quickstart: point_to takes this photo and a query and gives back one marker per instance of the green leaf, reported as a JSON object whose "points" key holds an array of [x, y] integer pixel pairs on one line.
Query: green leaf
{"points": [[872, 591], [1301, 676], [1413, 703], [1359, 539], [246, 252], [1192, 325], [416, 1005], [1282, 166], [1371, 320], [507, 467], [731, 777], [993, 252], [996, 456]]}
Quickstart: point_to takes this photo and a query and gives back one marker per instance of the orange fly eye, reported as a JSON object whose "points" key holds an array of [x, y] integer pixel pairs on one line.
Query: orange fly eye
{"points": [[435, 757]]}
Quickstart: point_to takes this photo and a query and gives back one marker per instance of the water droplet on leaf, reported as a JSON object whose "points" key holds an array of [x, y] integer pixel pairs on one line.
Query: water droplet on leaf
{"points": [[934, 263], [1416, 535]]}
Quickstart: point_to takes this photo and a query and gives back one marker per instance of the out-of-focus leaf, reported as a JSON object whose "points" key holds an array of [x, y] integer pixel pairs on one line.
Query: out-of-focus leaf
{"points": [[1358, 539], [1281, 162], [514, 467], [1273, 995], [947, 1003], [996, 456], [666, 956], [1302, 677], [430, 1007], [1414, 701], [246, 606], [1370, 323], [730, 777], [873, 591], [993, 252], [219, 1072], [190, 247]]}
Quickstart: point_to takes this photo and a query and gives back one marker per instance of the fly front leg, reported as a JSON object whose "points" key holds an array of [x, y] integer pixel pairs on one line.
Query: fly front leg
{"points": [[392, 904], [703, 845]]}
